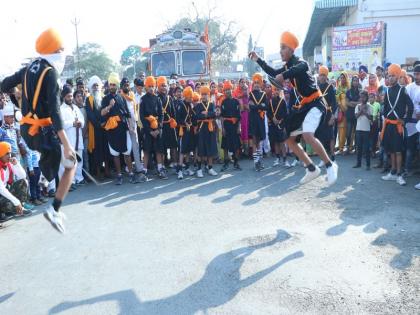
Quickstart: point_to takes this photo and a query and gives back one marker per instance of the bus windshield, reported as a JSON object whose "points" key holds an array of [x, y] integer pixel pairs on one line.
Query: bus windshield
{"points": [[163, 64], [193, 62]]}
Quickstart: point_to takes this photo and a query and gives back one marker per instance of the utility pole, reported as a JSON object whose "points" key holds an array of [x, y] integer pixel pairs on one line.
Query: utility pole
{"points": [[76, 22]]}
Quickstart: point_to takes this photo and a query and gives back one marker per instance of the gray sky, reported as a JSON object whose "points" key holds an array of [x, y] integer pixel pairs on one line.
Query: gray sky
{"points": [[116, 25]]}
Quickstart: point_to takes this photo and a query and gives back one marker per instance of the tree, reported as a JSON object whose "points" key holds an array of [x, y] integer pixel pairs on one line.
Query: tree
{"points": [[133, 60], [94, 61], [249, 63], [222, 35]]}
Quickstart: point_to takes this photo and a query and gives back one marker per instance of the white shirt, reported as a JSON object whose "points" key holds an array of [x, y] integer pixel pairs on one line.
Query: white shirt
{"points": [[413, 90], [363, 123], [18, 174], [365, 82], [69, 113]]}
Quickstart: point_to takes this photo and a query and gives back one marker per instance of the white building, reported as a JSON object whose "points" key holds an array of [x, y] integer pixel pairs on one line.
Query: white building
{"points": [[401, 19]]}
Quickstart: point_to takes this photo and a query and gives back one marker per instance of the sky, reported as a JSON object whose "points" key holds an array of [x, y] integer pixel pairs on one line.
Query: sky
{"points": [[116, 25]]}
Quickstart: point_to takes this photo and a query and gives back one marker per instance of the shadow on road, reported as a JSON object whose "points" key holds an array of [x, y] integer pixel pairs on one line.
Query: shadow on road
{"points": [[378, 205], [220, 283], [6, 297]]}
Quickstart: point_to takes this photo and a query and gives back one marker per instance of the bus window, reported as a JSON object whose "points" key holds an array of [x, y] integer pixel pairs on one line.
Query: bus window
{"points": [[193, 62], [163, 64]]}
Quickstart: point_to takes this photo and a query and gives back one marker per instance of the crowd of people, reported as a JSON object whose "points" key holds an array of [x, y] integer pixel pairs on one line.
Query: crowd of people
{"points": [[150, 125]]}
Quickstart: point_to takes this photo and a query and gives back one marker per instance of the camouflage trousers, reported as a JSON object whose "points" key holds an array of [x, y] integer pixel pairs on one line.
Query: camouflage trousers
{"points": [[19, 189]]}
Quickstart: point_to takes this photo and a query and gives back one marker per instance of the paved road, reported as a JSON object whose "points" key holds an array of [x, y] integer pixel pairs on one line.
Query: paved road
{"points": [[241, 243]]}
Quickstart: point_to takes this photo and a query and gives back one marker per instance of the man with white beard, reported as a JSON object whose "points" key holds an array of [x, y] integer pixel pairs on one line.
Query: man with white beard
{"points": [[97, 144]]}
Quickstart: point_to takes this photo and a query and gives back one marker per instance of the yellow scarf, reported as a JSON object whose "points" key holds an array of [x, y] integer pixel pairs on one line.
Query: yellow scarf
{"points": [[91, 129]]}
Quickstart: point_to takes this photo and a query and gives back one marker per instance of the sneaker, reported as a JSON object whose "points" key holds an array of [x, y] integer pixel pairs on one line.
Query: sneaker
{"points": [[224, 167], [321, 164], [417, 186], [142, 177], [401, 181], [43, 199], [180, 175], [212, 172], [389, 176], [287, 164], [28, 206], [200, 173], [133, 178], [81, 183], [73, 187], [332, 173], [55, 218], [37, 202], [310, 175], [294, 163], [26, 212], [172, 165], [51, 194], [5, 217], [162, 174], [276, 162], [119, 180], [189, 172]]}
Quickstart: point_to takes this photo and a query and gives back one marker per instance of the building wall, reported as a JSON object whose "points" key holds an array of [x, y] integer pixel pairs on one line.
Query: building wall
{"points": [[401, 18]]}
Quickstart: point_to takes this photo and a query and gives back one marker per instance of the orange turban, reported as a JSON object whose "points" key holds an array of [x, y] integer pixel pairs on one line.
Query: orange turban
{"points": [[196, 97], [257, 77], [5, 148], [150, 82], [48, 42], [395, 70], [188, 92], [161, 80], [204, 90], [182, 82], [289, 39], [227, 85], [323, 70]]}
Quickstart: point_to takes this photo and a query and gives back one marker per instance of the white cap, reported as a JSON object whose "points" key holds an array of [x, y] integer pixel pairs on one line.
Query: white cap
{"points": [[9, 109], [172, 81]]}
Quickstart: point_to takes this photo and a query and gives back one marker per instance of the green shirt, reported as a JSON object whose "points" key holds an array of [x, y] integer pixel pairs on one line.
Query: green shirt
{"points": [[376, 108]]}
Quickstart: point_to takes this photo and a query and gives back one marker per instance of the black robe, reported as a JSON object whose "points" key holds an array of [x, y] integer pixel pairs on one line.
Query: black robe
{"points": [[184, 115], [299, 73], [151, 106], [207, 141], [169, 136], [393, 141], [117, 138], [48, 106], [277, 109], [230, 108], [100, 152], [325, 132], [257, 104]]}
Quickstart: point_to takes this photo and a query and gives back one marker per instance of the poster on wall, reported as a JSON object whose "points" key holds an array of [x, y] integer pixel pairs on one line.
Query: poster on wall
{"points": [[356, 45]]}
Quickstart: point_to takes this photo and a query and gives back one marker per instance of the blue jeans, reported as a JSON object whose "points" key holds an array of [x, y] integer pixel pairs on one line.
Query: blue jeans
{"points": [[34, 188]]}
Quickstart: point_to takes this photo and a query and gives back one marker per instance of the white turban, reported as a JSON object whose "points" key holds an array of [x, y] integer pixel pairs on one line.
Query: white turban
{"points": [[9, 109], [94, 80]]}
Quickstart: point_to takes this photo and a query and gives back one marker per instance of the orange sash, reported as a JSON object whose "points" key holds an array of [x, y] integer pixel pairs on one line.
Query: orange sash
{"points": [[91, 129], [153, 121], [387, 121], [112, 122], [260, 112], [31, 119]]}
